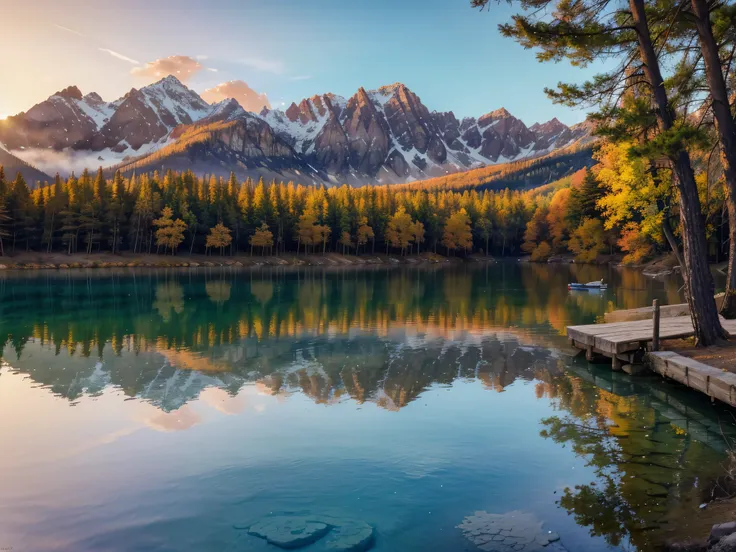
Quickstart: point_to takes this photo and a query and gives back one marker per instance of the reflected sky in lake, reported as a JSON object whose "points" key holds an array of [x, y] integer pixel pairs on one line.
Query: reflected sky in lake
{"points": [[169, 410]]}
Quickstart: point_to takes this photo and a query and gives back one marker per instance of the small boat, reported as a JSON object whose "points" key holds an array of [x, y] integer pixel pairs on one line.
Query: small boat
{"points": [[589, 286]]}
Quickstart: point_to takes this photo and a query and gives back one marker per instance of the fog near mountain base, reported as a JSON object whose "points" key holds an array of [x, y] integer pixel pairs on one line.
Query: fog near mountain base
{"points": [[67, 161]]}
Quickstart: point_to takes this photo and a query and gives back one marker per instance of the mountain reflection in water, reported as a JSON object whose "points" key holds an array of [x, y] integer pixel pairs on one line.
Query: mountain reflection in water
{"points": [[651, 451]]}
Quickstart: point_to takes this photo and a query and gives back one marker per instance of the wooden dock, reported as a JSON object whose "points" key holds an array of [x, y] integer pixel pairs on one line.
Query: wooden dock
{"points": [[625, 342], [715, 383]]}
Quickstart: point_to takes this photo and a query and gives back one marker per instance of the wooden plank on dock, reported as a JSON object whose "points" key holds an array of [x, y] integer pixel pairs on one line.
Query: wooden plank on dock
{"points": [[713, 382], [645, 313], [622, 337]]}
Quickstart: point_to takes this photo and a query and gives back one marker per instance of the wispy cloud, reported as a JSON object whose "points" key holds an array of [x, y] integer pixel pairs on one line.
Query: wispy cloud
{"points": [[300, 77], [67, 29], [201, 57], [261, 64], [118, 55], [248, 98], [212, 69]]}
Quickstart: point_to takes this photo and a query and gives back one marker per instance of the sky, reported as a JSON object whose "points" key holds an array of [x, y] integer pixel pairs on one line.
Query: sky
{"points": [[450, 55]]}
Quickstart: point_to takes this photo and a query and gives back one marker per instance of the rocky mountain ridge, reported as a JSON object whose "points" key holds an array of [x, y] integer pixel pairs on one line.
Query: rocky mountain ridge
{"points": [[385, 135]]}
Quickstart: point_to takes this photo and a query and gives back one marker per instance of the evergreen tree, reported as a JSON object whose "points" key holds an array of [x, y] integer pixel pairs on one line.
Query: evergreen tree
{"points": [[4, 222]]}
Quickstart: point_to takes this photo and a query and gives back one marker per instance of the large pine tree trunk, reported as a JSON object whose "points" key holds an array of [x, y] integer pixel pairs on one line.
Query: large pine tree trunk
{"points": [[699, 286], [726, 134]]}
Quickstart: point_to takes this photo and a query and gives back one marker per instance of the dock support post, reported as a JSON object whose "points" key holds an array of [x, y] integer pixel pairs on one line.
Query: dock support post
{"points": [[655, 329], [589, 353], [616, 364]]}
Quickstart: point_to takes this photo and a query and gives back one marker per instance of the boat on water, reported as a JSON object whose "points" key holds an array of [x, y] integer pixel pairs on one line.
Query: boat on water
{"points": [[595, 286]]}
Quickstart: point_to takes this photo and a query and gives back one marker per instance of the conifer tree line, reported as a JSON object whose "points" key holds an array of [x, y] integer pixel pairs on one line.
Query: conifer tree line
{"points": [[180, 212], [611, 209]]}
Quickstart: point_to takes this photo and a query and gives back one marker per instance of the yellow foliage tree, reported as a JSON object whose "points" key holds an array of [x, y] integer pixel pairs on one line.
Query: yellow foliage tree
{"points": [[588, 241], [559, 227], [219, 238], [346, 241], [401, 230], [306, 231], [170, 232], [635, 244], [310, 233], [365, 232], [262, 237], [418, 234], [457, 233], [541, 252]]}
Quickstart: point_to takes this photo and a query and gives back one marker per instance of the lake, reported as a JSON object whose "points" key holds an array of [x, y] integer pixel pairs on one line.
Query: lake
{"points": [[172, 410]]}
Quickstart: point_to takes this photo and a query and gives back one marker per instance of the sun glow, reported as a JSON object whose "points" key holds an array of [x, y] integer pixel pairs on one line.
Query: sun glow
{"points": [[3, 116]]}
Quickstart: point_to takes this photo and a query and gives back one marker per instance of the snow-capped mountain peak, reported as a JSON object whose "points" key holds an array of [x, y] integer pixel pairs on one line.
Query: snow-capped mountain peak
{"points": [[381, 135]]}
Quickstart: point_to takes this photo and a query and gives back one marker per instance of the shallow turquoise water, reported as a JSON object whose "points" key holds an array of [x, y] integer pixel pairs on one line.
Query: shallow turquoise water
{"points": [[169, 410]]}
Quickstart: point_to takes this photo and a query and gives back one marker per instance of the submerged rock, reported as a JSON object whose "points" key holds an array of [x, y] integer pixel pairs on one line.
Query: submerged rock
{"points": [[350, 536], [289, 532], [511, 532], [325, 532]]}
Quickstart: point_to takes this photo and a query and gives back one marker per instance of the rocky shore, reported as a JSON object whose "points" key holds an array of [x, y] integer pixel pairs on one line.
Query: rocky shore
{"points": [[722, 538]]}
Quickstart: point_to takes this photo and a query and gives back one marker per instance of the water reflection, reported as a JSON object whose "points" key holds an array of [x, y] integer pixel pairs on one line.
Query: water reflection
{"points": [[241, 342], [383, 335]]}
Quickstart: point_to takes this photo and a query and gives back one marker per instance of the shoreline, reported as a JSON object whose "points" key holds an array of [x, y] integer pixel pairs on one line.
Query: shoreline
{"points": [[59, 261]]}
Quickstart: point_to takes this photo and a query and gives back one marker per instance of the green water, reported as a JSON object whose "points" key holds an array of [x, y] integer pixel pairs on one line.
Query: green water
{"points": [[170, 410]]}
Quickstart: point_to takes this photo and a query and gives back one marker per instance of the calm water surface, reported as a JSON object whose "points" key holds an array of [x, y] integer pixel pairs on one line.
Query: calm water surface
{"points": [[170, 410]]}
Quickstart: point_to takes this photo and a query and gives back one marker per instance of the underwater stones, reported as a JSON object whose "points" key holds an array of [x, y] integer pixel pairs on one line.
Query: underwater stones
{"points": [[510, 532], [289, 532], [351, 536], [326, 533]]}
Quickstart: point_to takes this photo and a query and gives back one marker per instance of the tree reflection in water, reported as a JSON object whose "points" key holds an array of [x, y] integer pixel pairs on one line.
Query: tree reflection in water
{"points": [[658, 453]]}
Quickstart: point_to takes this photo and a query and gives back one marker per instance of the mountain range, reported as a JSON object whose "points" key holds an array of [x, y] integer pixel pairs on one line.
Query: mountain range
{"points": [[376, 136]]}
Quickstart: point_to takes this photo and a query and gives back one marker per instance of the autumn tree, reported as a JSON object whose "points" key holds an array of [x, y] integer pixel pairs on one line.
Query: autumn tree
{"points": [[307, 232], [634, 244], [588, 241], [262, 237], [401, 231], [558, 221], [346, 241], [219, 238], [365, 233], [457, 234], [536, 236], [170, 232]]}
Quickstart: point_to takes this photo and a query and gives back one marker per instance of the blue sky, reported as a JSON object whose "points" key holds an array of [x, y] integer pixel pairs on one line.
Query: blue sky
{"points": [[451, 55]]}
